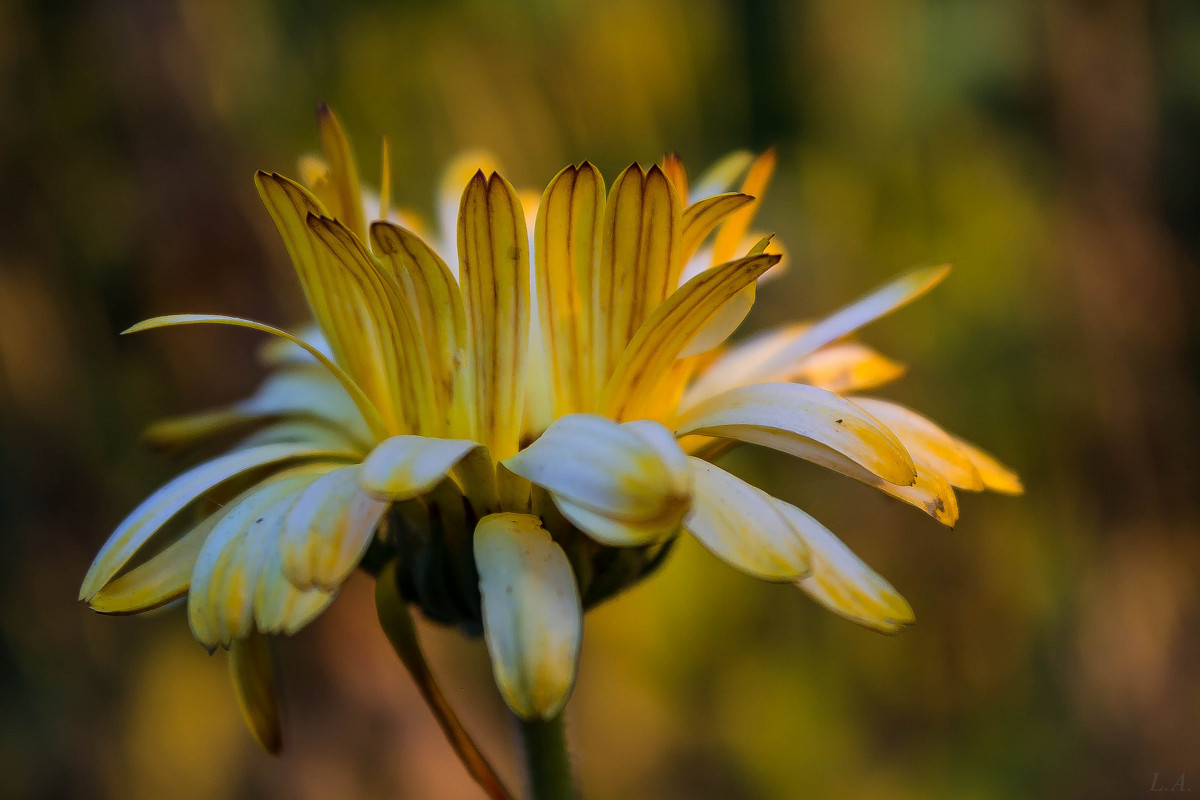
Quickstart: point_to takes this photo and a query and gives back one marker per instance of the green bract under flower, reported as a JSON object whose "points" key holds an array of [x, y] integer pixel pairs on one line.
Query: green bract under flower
{"points": [[520, 413]]}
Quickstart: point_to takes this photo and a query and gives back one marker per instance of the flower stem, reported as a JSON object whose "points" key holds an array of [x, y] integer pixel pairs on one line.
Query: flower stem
{"points": [[547, 759], [397, 624]]}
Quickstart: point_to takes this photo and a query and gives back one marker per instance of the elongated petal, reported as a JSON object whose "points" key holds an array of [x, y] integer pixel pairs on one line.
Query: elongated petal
{"points": [[996, 476], [640, 260], [630, 392], [532, 616], [253, 671], [843, 583], [624, 473], [676, 172], [927, 442], [329, 529], [734, 228], [790, 417], [741, 526], [722, 175], [279, 607], [565, 239], [493, 248], [403, 467], [369, 412], [701, 217], [438, 308], [847, 367], [161, 506], [455, 177], [343, 171], [878, 303], [159, 581]]}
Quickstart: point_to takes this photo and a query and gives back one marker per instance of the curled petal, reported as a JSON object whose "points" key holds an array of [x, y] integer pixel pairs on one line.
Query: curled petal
{"points": [[403, 467]]}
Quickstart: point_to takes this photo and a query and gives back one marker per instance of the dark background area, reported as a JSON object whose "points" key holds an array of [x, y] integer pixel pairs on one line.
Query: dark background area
{"points": [[1049, 149]]}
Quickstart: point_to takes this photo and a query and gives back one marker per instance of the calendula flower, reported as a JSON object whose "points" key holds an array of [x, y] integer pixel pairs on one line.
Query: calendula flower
{"points": [[512, 421]]}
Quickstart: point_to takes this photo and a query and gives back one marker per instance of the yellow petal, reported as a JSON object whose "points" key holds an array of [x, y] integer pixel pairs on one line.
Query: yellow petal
{"points": [[741, 526], [640, 260], [565, 237], [722, 175], [792, 417], [676, 172], [385, 179], [437, 304], [455, 177], [725, 248], [369, 412], [847, 367], [159, 581], [843, 583], [253, 671], [938, 450], [402, 467], [161, 506], [996, 476], [343, 171], [701, 217], [532, 616], [630, 392], [328, 530], [493, 248]]}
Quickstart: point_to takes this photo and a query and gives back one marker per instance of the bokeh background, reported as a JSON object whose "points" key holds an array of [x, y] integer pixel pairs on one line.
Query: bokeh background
{"points": [[1049, 149]]}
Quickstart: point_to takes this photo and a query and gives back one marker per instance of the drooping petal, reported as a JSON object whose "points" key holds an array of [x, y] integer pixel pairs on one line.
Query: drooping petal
{"points": [[631, 391], [741, 526], [621, 473], [329, 529], [841, 582], [639, 260], [438, 307], [493, 248], [159, 581], [364, 404], [161, 506], [878, 303], [565, 238], [793, 418], [403, 467], [532, 616], [253, 671], [929, 444], [279, 607]]}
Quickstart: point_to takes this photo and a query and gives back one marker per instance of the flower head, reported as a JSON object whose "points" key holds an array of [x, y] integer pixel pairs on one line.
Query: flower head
{"points": [[522, 414]]}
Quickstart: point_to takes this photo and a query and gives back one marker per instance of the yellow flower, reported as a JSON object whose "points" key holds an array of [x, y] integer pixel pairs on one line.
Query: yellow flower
{"points": [[520, 418]]}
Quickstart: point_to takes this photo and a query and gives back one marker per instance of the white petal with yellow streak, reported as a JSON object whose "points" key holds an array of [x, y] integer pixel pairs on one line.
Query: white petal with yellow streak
{"points": [[793, 417], [532, 616], [841, 582], [402, 467], [621, 484], [161, 506], [493, 249], [928, 443], [740, 525], [329, 529]]}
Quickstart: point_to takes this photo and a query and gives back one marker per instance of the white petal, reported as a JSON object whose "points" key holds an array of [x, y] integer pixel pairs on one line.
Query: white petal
{"points": [[841, 582], [403, 467], [329, 529], [532, 616], [793, 418], [740, 525]]}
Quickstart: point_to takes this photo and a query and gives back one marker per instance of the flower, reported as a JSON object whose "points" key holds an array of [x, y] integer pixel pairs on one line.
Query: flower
{"points": [[517, 438]]}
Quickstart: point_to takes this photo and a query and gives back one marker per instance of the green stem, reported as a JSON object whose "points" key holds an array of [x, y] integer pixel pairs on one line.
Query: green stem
{"points": [[547, 759]]}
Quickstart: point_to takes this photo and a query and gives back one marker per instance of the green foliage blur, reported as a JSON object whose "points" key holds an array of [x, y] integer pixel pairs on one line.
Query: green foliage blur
{"points": [[1048, 149]]}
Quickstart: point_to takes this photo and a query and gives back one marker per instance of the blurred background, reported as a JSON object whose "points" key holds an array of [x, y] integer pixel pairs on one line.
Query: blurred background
{"points": [[1049, 149]]}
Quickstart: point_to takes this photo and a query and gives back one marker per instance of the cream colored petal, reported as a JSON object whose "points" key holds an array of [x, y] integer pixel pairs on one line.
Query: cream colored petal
{"points": [[532, 616], [616, 532], [252, 667], [843, 583], [613, 470], [928, 443], [722, 175], [161, 506], [632, 391], [723, 323], [279, 607], [493, 247], [791, 417], [161, 580], [329, 529], [403, 467], [878, 303], [740, 525]]}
